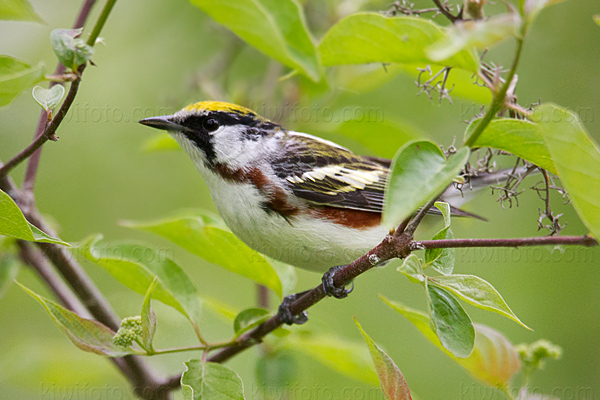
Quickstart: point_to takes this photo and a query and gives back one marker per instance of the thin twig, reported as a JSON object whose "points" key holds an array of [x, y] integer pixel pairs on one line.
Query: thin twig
{"points": [[34, 160], [499, 98], [586, 241], [444, 10], [46, 134]]}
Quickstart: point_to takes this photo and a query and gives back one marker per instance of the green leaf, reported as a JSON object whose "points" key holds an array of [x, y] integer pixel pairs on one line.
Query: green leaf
{"points": [[18, 10], [596, 19], [493, 361], [451, 323], [248, 319], [369, 37], [86, 334], [275, 27], [522, 138], [466, 35], [9, 269], [70, 50], [16, 76], [391, 380], [374, 130], [577, 160], [148, 317], [136, 266], [442, 260], [412, 268], [14, 224], [419, 172], [345, 357], [210, 381], [477, 292], [287, 276], [204, 235], [160, 142], [48, 99]]}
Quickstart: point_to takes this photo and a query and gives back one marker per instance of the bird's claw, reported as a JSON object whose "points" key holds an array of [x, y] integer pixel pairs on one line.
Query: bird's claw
{"points": [[285, 314], [329, 286]]}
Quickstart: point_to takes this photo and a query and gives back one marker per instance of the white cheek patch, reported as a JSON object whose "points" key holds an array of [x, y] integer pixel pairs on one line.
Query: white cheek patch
{"points": [[237, 151]]}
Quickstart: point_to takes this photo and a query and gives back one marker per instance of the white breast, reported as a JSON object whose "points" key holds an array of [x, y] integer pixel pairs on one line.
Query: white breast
{"points": [[305, 242], [309, 243]]}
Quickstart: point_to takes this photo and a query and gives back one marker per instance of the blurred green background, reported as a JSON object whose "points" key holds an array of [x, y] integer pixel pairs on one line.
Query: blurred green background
{"points": [[158, 57]]}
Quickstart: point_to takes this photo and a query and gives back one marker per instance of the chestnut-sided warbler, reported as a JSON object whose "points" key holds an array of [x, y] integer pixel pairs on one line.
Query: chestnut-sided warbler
{"points": [[294, 197]]}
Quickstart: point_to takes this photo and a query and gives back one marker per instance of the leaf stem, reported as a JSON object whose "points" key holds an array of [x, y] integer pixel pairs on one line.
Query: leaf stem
{"points": [[101, 21], [498, 100], [46, 134]]}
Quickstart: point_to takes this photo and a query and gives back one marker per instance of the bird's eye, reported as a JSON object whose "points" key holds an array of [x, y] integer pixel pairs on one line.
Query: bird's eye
{"points": [[210, 124]]}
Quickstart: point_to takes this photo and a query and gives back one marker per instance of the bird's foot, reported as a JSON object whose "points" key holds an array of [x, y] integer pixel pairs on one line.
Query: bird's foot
{"points": [[329, 286], [285, 314]]}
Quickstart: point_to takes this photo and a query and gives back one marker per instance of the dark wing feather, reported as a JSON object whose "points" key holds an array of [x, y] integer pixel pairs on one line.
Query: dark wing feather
{"points": [[323, 173], [326, 174]]}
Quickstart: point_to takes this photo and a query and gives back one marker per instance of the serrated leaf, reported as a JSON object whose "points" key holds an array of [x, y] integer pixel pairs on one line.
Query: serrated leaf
{"points": [[477, 292], [70, 50], [202, 234], [18, 10], [48, 99], [522, 138], [86, 334], [370, 37], [577, 159], [391, 380], [136, 265], [419, 172], [275, 27], [14, 224], [210, 381], [148, 317], [412, 268], [450, 321], [248, 319], [9, 269], [15, 77], [345, 357], [466, 35], [493, 361]]}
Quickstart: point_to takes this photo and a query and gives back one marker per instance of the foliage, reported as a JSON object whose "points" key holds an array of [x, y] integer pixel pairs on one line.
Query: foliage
{"points": [[549, 137]]}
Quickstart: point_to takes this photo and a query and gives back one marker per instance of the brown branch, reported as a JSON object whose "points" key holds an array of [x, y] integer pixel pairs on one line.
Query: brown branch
{"points": [[34, 161], [139, 374], [34, 257], [48, 133], [586, 241], [444, 10]]}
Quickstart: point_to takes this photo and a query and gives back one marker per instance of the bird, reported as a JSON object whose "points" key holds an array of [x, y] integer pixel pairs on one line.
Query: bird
{"points": [[291, 196]]}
